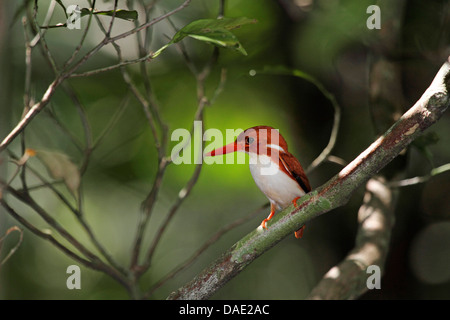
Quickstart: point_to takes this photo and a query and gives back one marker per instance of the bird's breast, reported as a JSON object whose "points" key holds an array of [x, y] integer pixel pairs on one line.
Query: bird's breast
{"points": [[279, 187]]}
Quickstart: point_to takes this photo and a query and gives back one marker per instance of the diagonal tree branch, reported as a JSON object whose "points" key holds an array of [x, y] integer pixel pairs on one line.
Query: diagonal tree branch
{"points": [[333, 194]]}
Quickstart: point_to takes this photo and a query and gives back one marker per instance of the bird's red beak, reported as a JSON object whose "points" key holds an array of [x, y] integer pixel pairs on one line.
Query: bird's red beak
{"points": [[231, 147]]}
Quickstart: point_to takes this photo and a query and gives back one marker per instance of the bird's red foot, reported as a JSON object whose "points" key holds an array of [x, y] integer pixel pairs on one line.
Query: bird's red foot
{"points": [[263, 223], [294, 202], [299, 232]]}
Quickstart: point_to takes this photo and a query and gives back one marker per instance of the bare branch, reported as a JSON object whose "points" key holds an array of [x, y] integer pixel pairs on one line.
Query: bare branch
{"points": [[35, 109], [13, 249], [214, 238], [151, 22], [77, 214], [113, 67], [83, 38], [326, 152], [421, 179], [94, 264]]}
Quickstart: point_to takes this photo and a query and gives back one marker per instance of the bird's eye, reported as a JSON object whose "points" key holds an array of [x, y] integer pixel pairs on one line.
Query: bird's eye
{"points": [[248, 140]]}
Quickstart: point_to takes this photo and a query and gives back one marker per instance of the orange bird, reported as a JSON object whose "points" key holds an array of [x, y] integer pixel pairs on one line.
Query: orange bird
{"points": [[277, 173]]}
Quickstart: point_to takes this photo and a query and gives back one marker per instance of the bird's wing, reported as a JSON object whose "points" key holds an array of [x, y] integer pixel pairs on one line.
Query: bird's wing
{"points": [[293, 167]]}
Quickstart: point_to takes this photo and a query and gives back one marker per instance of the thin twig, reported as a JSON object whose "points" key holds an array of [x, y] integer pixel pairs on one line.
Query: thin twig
{"points": [[147, 205], [182, 195], [113, 67], [112, 122], [40, 39], [420, 179], [85, 124], [108, 33], [83, 37], [29, 201], [68, 72], [92, 264], [145, 106], [213, 239], [26, 98], [77, 214], [13, 249], [46, 236], [51, 112], [151, 22], [34, 110], [186, 190]]}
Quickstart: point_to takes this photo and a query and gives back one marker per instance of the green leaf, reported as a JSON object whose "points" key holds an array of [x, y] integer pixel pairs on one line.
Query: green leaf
{"points": [[204, 27], [213, 31], [129, 15]]}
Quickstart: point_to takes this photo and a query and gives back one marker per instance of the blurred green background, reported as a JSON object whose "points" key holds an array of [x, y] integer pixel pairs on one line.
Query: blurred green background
{"points": [[327, 39]]}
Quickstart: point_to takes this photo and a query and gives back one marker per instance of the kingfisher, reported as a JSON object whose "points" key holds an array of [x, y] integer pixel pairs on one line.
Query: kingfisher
{"points": [[277, 173]]}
